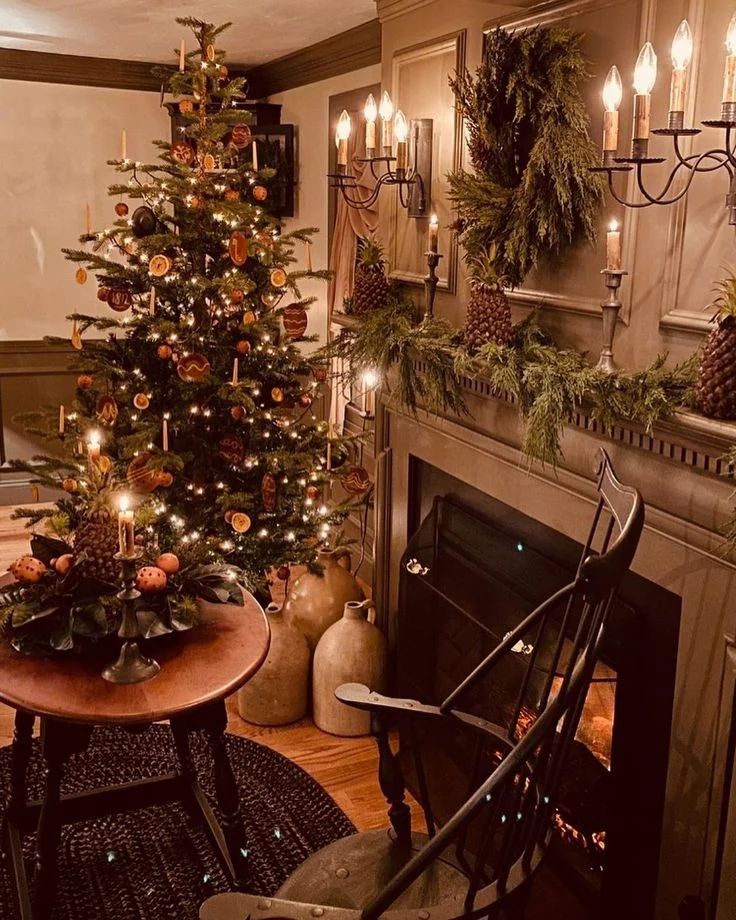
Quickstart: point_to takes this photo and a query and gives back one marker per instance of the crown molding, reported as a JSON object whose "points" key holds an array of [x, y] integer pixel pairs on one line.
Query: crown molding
{"points": [[76, 70], [348, 51]]}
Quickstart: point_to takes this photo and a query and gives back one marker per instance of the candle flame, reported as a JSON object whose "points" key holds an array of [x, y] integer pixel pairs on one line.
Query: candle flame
{"points": [[731, 35], [612, 90], [434, 221], [387, 107], [613, 226], [371, 109], [124, 502], [645, 72], [94, 439], [682, 46]]}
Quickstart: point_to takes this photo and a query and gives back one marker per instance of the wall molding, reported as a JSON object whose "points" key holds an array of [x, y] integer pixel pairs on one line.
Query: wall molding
{"points": [[77, 70], [343, 53]]}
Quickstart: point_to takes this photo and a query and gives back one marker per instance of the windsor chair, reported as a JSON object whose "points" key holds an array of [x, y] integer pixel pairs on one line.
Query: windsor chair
{"points": [[479, 862]]}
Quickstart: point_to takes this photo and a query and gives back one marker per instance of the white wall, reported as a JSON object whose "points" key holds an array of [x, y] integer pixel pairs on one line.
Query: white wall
{"points": [[307, 107], [54, 144]]}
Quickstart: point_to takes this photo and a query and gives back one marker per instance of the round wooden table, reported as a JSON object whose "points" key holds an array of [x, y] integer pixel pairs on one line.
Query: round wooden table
{"points": [[199, 669]]}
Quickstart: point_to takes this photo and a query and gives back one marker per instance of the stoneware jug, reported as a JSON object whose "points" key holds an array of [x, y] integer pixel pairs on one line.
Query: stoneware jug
{"points": [[316, 601], [278, 693], [353, 650]]}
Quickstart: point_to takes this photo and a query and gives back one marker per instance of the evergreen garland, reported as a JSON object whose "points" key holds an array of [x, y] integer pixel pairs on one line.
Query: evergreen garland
{"points": [[531, 192]]}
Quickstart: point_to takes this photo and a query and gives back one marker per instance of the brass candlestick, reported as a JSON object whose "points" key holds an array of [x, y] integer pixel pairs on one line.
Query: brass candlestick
{"points": [[611, 308], [132, 666], [431, 281]]}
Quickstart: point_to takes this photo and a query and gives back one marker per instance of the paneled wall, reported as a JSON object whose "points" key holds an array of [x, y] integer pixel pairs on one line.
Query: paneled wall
{"points": [[673, 254]]}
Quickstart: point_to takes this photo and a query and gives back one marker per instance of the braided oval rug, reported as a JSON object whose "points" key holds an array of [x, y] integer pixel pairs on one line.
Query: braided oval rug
{"points": [[156, 863]]}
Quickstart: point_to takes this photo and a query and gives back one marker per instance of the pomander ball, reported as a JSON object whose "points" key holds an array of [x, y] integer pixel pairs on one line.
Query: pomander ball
{"points": [[168, 563], [28, 568], [150, 578]]}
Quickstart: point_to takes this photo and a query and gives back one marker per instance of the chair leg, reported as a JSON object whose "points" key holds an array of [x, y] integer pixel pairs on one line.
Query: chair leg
{"points": [[228, 798], [391, 781], [20, 758]]}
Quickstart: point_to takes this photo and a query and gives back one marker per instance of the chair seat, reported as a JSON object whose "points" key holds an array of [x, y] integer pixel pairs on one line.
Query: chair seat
{"points": [[350, 872]]}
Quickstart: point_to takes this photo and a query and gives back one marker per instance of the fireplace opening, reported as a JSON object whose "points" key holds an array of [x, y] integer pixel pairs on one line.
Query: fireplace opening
{"points": [[472, 570]]}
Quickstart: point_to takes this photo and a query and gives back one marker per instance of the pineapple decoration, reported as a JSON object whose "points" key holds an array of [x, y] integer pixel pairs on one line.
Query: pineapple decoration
{"points": [[489, 313], [716, 385], [371, 288], [96, 540]]}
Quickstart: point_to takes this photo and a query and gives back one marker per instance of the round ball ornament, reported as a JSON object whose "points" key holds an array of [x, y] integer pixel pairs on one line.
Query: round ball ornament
{"points": [[283, 572], [141, 401], [265, 239], [193, 368], [121, 209], [183, 153], [63, 565], [208, 162], [164, 352], [269, 492], [295, 321], [80, 276], [238, 248], [237, 296], [70, 485], [84, 382], [143, 222], [240, 522], [210, 52], [103, 293], [28, 569], [243, 347], [232, 194], [260, 192], [313, 493], [238, 413], [150, 579], [107, 410], [223, 72], [231, 449], [120, 299], [159, 265], [228, 515], [320, 373], [165, 478], [305, 401], [270, 299], [186, 106], [240, 136], [355, 480], [168, 563], [277, 395]]}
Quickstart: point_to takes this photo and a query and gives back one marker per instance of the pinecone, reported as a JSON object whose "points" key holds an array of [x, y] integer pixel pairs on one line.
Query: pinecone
{"points": [[97, 538], [489, 314], [716, 386], [371, 288]]}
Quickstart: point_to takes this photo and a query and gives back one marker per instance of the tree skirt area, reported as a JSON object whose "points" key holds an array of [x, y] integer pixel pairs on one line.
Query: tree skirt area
{"points": [[157, 863]]}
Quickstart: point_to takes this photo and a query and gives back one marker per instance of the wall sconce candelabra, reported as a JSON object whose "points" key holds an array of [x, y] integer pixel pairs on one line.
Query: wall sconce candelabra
{"points": [[407, 163], [689, 166]]}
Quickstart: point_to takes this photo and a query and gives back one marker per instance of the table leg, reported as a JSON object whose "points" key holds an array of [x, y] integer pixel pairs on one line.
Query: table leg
{"points": [[228, 799], [19, 759]]}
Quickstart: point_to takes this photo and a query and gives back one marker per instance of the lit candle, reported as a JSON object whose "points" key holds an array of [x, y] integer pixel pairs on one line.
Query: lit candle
{"points": [[309, 256], [434, 233], [182, 62], [612, 94], [341, 139], [61, 421], [93, 449], [235, 372], [645, 74], [613, 247], [124, 145], [386, 111], [729, 76], [401, 130], [255, 155], [682, 55], [165, 433], [87, 219], [126, 528], [371, 114]]}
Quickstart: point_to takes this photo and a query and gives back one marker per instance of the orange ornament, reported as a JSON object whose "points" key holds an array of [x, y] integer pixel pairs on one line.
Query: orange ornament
{"points": [[240, 522], [249, 318], [28, 569], [260, 192], [164, 352], [84, 381], [159, 266], [121, 209], [63, 564], [168, 563], [81, 276], [238, 413], [150, 579], [278, 278], [243, 347], [232, 194], [70, 485], [141, 401], [237, 296]]}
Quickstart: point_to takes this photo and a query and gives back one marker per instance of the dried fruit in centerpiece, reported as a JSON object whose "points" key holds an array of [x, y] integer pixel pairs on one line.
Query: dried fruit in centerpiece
{"points": [[150, 579], [29, 569], [95, 545]]}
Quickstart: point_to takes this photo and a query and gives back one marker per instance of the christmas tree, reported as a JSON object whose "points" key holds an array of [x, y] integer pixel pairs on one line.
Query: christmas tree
{"points": [[192, 382]]}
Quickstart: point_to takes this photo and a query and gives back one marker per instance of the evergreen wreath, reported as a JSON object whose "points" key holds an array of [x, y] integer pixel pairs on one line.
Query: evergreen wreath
{"points": [[531, 192]]}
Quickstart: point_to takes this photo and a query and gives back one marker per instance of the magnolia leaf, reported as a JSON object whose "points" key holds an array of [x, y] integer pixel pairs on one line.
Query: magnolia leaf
{"points": [[48, 548], [90, 620]]}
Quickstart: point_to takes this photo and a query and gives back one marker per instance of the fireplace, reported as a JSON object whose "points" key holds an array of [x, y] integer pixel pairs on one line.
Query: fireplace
{"points": [[473, 568]]}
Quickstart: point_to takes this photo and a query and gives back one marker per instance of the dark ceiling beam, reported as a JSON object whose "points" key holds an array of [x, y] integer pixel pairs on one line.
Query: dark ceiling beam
{"points": [[351, 50], [45, 67]]}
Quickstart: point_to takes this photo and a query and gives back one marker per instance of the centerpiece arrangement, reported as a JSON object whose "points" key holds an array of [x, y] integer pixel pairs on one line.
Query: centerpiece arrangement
{"points": [[192, 460]]}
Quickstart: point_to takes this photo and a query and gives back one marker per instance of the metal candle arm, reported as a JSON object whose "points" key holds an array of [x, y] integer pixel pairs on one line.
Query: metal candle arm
{"points": [[131, 667], [406, 180], [709, 161]]}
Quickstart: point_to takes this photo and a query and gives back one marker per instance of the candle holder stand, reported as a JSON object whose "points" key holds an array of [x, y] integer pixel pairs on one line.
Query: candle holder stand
{"points": [[132, 666], [611, 308], [431, 282]]}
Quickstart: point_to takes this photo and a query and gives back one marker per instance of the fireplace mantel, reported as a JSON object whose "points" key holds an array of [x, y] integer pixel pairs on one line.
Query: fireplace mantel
{"points": [[688, 496]]}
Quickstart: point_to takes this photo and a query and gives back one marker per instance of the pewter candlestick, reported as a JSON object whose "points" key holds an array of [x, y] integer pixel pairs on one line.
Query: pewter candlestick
{"points": [[131, 667], [611, 308], [431, 281]]}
